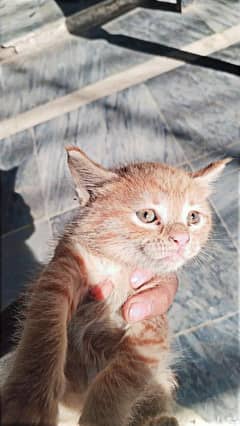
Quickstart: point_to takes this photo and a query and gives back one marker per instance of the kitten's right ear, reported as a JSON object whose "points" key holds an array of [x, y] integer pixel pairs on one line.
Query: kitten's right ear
{"points": [[211, 172], [208, 175], [86, 173]]}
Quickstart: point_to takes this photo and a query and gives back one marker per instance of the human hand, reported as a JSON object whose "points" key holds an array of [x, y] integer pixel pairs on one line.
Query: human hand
{"points": [[147, 303]]}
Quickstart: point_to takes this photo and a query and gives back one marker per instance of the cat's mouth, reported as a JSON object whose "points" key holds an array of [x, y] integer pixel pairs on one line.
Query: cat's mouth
{"points": [[164, 255], [164, 261], [173, 256]]}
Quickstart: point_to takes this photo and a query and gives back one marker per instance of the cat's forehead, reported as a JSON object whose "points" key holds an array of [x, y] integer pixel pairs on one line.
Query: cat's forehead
{"points": [[150, 184], [158, 180]]}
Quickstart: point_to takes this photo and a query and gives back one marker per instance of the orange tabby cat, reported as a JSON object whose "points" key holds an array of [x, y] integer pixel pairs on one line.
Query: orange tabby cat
{"points": [[79, 353]]}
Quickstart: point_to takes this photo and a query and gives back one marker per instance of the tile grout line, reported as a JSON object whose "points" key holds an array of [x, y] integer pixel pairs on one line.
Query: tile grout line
{"points": [[204, 324], [169, 128], [46, 217], [63, 28], [216, 151], [21, 228], [53, 32], [114, 83], [34, 41], [221, 218], [224, 225], [32, 132]]}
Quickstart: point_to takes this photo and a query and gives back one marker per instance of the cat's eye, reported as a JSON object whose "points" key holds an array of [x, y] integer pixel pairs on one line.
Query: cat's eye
{"points": [[146, 215], [193, 218]]}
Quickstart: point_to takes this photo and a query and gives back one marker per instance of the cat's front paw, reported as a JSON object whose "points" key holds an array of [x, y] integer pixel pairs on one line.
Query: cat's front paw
{"points": [[162, 421], [17, 411]]}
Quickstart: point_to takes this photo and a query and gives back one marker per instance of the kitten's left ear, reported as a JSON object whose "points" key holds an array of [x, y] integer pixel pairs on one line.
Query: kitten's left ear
{"points": [[86, 174], [210, 173]]}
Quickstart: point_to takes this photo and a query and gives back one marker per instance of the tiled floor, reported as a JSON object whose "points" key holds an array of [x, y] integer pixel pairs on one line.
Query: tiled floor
{"points": [[188, 116]]}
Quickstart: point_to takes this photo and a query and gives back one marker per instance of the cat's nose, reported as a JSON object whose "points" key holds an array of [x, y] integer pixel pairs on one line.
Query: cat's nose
{"points": [[179, 238]]}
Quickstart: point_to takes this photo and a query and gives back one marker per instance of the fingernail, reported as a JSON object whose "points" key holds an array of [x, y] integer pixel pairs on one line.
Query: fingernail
{"points": [[136, 279], [139, 277], [138, 311]]}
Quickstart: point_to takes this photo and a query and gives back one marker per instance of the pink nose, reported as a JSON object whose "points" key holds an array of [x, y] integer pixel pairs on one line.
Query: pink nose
{"points": [[179, 238]]}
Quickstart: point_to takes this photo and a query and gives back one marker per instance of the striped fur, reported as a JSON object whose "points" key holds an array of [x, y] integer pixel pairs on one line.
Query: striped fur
{"points": [[78, 354]]}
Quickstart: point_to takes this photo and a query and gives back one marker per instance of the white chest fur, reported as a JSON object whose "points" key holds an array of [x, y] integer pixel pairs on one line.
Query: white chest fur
{"points": [[100, 269]]}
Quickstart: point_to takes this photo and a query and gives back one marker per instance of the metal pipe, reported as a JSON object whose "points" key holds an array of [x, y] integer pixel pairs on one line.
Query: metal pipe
{"points": [[105, 11]]}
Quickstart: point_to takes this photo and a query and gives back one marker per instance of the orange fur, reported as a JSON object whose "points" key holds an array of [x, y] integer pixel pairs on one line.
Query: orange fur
{"points": [[79, 351]]}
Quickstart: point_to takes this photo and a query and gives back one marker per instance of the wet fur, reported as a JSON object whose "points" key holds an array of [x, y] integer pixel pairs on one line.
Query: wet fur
{"points": [[79, 353]]}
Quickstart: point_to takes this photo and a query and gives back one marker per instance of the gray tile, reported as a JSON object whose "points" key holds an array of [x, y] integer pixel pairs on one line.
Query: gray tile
{"points": [[161, 27], [59, 70], [29, 15], [232, 150], [226, 202], [15, 149], [58, 223], [225, 197], [209, 371], [121, 128], [22, 198], [186, 3], [23, 252], [207, 287], [218, 14], [201, 107], [75, 63], [231, 54]]}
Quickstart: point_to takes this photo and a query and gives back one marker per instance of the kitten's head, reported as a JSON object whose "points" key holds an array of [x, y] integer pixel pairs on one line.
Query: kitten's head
{"points": [[146, 215]]}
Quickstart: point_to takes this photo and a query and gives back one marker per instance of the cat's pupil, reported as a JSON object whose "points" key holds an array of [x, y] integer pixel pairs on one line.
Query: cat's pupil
{"points": [[193, 218], [147, 216]]}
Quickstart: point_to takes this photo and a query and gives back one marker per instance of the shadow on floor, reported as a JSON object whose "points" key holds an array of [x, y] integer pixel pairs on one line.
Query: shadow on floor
{"points": [[17, 261], [89, 25], [157, 49], [15, 213]]}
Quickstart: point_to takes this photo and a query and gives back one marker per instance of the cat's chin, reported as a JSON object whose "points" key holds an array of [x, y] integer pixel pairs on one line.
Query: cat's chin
{"points": [[167, 267], [165, 264]]}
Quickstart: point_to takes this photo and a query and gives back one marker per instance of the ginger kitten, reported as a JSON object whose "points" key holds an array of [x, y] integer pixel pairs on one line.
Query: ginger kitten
{"points": [[78, 353]]}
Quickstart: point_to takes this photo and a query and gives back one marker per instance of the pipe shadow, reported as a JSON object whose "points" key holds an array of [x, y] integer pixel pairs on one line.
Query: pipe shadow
{"points": [[138, 45], [157, 49]]}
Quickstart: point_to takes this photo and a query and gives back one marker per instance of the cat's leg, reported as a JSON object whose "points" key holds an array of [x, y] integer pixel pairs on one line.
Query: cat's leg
{"points": [[109, 399], [153, 408], [36, 381]]}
